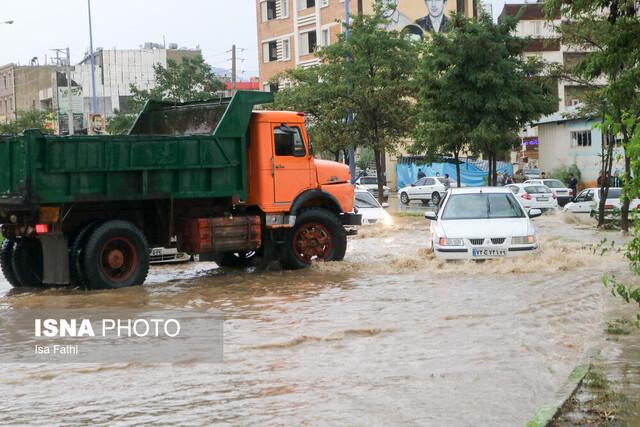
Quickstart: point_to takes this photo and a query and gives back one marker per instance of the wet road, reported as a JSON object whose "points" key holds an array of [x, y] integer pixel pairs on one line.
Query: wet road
{"points": [[390, 336]]}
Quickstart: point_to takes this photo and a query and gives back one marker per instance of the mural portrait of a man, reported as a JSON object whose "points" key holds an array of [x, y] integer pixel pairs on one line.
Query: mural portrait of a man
{"points": [[398, 20], [436, 20]]}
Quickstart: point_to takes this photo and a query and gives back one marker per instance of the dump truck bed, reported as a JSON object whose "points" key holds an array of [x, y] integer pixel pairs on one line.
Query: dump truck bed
{"points": [[174, 151]]}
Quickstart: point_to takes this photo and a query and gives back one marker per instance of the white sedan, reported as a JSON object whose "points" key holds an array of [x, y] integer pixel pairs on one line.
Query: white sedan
{"points": [[588, 201], [370, 183], [563, 194], [480, 223], [534, 196], [371, 210], [426, 189]]}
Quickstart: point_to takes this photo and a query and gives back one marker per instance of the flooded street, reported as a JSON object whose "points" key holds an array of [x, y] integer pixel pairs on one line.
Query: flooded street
{"points": [[390, 336]]}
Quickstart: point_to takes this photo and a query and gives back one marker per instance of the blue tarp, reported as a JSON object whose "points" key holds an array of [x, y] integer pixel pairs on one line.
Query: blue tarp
{"points": [[470, 174]]}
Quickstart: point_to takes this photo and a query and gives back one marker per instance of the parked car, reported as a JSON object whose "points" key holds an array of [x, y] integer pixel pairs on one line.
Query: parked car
{"points": [[429, 188], [480, 223], [563, 194], [534, 196], [167, 255], [370, 183], [370, 209], [588, 201]]}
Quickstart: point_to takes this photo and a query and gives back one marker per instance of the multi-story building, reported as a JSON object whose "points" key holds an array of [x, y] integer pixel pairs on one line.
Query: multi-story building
{"points": [[291, 31], [116, 70], [20, 87]]}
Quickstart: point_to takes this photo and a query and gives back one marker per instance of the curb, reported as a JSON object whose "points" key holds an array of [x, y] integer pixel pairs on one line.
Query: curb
{"points": [[547, 413]]}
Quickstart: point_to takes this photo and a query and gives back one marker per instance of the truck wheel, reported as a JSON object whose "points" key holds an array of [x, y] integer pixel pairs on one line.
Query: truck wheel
{"points": [[27, 262], [316, 236], [76, 261], [6, 253], [116, 256], [236, 259]]}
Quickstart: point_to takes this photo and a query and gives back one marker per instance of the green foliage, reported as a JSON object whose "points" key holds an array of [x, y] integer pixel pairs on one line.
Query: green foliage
{"points": [[119, 124], [562, 173], [190, 80], [31, 119], [476, 91], [365, 158], [371, 75]]}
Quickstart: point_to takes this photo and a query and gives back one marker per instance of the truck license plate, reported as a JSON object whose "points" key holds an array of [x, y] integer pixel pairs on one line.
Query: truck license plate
{"points": [[489, 252]]}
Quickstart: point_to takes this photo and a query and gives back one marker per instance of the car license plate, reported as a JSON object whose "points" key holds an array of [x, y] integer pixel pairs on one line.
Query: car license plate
{"points": [[489, 252], [156, 252], [543, 199]]}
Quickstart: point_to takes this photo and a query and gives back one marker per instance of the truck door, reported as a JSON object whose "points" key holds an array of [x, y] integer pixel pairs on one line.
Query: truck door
{"points": [[291, 163]]}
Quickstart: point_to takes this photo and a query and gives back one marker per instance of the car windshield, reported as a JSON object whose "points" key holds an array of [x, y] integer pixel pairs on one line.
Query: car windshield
{"points": [[482, 206], [368, 181], [366, 200], [537, 189], [553, 183]]}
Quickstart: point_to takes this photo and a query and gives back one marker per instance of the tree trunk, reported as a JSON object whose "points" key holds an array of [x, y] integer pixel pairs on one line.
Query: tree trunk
{"points": [[489, 174], [626, 202], [495, 169], [456, 156], [379, 155], [607, 163]]}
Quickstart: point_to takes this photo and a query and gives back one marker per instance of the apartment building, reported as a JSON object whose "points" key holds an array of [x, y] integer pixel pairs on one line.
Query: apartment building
{"points": [[291, 31], [20, 87]]}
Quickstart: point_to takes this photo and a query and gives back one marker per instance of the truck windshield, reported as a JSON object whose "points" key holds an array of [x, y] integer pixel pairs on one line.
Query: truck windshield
{"points": [[482, 206]]}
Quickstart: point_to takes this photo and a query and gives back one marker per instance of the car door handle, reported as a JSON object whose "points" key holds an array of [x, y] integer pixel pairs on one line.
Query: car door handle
{"points": [[279, 166]]}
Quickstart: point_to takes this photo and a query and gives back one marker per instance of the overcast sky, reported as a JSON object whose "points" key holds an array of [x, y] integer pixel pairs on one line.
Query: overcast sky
{"points": [[215, 25]]}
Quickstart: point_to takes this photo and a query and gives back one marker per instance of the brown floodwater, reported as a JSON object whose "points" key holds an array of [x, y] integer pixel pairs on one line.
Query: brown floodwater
{"points": [[390, 336]]}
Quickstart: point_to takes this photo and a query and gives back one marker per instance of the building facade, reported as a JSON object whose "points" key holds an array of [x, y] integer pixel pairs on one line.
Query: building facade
{"points": [[20, 88], [291, 31]]}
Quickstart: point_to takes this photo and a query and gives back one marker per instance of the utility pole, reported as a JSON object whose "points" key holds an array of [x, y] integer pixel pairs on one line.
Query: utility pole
{"points": [[94, 100], [234, 67], [352, 151], [70, 120]]}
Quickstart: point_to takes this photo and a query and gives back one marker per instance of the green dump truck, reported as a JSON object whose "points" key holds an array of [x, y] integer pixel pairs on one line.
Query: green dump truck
{"points": [[229, 183]]}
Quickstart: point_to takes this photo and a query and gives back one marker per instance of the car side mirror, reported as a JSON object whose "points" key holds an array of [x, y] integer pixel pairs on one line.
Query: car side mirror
{"points": [[431, 215], [385, 205], [534, 213]]}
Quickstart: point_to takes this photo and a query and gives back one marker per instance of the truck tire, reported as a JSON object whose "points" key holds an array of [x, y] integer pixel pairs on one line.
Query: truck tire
{"points": [[76, 261], [116, 256], [236, 259], [6, 253], [316, 236], [27, 262]]}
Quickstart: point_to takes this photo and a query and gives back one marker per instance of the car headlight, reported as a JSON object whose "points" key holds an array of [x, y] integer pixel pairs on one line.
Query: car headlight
{"points": [[450, 242], [523, 240]]}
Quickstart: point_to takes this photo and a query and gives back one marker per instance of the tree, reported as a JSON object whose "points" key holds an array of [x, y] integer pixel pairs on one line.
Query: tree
{"points": [[371, 75], [607, 31], [120, 123], [30, 119], [190, 80], [477, 91]]}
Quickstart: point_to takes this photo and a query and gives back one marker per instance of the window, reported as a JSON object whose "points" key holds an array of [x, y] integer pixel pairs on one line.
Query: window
{"points": [[581, 139], [370, 181], [308, 43], [365, 200], [268, 10], [270, 51], [430, 181], [285, 51], [288, 142], [324, 3], [616, 140], [325, 37], [421, 181], [306, 4]]}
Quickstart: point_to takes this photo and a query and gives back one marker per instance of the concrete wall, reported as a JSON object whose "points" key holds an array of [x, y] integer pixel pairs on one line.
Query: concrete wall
{"points": [[555, 149]]}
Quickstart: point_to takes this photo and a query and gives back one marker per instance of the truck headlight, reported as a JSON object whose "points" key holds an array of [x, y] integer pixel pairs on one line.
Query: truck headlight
{"points": [[523, 240], [450, 242]]}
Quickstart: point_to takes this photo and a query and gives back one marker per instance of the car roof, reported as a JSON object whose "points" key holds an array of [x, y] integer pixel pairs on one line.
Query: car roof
{"points": [[598, 188], [478, 190], [526, 184]]}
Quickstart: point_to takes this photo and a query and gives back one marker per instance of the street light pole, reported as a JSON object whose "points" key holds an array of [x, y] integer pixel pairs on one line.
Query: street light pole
{"points": [[94, 100], [352, 154]]}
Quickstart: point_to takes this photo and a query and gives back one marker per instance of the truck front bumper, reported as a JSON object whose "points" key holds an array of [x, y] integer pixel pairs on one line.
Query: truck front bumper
{"points": [[351, 219]]}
